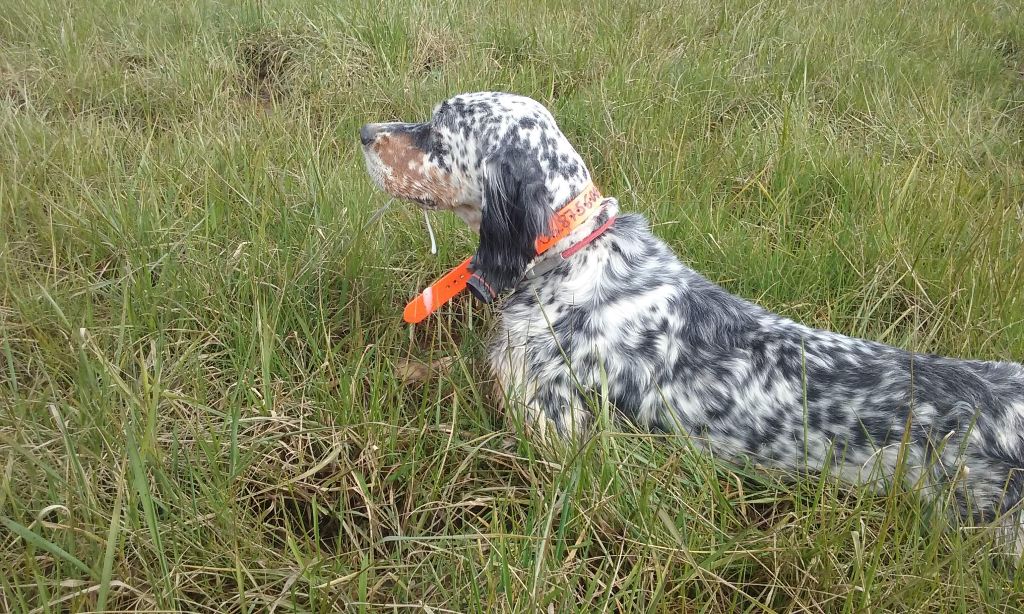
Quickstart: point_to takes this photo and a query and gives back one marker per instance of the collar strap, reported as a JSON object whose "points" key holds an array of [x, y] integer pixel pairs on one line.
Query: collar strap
{"points": [[571, 216], [551, 261]]}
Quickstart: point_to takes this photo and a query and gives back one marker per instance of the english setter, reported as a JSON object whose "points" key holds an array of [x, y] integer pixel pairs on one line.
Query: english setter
{"points": [[610, 313]]}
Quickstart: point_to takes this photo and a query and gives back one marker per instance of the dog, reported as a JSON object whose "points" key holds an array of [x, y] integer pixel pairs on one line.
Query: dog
{"points": [[610, 313]]}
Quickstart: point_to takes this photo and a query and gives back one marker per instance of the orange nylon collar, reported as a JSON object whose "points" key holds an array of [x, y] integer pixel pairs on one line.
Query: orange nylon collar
{"points": [[570, 217]]}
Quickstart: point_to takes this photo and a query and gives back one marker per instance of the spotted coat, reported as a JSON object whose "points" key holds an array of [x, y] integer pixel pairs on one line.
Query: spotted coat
{"points": [[623, 321]]}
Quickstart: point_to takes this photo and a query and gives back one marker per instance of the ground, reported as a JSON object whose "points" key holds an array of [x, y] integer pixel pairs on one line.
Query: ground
{"points": [[200, 324]]}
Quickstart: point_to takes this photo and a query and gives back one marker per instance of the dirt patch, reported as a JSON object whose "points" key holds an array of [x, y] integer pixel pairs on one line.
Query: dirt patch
{"points": [[134, 62], [434, 51], [13, 90], [264, 60], [1013, 55]]}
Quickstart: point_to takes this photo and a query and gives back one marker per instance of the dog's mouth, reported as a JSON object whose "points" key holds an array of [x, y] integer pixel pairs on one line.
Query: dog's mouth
{"points": [[427, 204], [376, 170], [384, 178]]}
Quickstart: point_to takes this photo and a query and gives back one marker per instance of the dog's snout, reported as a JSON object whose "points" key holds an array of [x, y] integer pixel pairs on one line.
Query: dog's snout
{"points": [[367, 133]]}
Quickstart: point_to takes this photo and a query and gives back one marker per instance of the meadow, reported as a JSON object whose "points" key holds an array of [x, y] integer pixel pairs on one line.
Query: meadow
{"points": [[201, 294]]}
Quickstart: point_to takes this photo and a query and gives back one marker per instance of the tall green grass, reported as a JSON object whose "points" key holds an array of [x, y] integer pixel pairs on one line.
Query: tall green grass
{"points": [[199, 313]]}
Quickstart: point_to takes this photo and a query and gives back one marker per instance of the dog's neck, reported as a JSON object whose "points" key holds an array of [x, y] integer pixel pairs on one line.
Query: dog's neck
{"points": [[610, 209], [598, 214], [563, 188]]}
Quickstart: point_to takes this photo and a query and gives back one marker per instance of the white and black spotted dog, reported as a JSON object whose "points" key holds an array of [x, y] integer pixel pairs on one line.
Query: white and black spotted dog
{"points": [[674, 351]]}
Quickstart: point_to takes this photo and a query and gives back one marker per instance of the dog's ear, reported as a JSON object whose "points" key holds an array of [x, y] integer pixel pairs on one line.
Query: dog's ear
{"points": [[516, 211]]}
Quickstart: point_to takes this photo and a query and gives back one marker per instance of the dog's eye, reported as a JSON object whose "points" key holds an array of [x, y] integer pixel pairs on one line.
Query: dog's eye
{"points": [[422, 137]]}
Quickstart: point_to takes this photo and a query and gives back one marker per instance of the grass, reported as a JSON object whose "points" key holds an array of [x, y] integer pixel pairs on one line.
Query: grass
{"points": [[200, 317]]}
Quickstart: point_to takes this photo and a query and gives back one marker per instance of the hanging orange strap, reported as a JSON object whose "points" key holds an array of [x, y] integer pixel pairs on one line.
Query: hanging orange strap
{"points": [[569, 218], [439, 293]]}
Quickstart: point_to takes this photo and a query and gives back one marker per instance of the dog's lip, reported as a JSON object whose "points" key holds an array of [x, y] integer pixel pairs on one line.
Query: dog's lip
{"points": [[425, 203]]}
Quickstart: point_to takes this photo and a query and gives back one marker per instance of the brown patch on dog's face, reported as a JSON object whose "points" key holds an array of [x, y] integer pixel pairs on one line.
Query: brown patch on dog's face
{"points": [[403, 169]]}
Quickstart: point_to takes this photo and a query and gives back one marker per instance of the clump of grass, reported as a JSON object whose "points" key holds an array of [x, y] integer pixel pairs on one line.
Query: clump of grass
{"points": [[200, 406], [264, 60]]}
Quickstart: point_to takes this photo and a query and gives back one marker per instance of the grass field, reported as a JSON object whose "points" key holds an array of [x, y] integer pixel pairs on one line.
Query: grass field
{"points": [[200, 315]]}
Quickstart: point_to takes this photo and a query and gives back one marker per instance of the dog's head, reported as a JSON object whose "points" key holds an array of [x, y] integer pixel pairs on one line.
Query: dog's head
{"points": [[497, 160]]}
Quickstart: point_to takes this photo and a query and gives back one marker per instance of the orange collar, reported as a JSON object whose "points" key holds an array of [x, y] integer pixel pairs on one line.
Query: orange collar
{"points": [[570, 217]]}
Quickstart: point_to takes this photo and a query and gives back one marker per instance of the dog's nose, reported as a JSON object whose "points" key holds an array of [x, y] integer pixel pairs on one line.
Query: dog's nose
{"points": [[367, 133]]}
